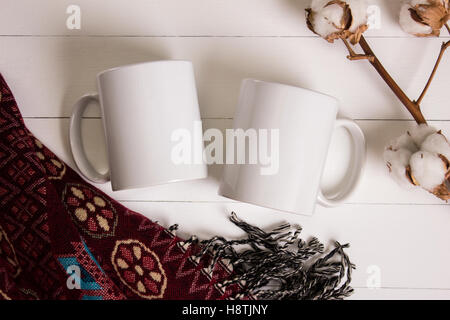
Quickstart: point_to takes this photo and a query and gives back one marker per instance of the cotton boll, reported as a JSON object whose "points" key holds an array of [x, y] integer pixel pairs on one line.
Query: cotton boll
{"points": [[333, 14], [323, 26], [359, 13], [428, 169], [397, 161], [317, 5], [421, 158], [437, 143], [424, 18], [420, 133], [338, 19], [327, 19], [409, 25], [405, 141]]}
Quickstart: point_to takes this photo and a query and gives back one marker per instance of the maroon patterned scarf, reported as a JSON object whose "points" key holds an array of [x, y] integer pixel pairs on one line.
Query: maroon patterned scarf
{"points": [[61, 238]]}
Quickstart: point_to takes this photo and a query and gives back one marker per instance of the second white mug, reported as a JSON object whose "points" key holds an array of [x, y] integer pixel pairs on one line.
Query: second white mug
{"points": [[305, 121]]}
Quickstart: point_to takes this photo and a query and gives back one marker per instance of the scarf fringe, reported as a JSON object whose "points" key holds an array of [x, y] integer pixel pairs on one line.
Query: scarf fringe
{"points": [[279, 265]]}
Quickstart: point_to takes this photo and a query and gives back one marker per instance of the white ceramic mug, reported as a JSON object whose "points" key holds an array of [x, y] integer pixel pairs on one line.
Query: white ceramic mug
{"points": [[141, 106], [305, 121]]}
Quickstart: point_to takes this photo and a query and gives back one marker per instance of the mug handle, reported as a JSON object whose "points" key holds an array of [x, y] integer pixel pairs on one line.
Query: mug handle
{"points": [[359, 158], [76, 143]]}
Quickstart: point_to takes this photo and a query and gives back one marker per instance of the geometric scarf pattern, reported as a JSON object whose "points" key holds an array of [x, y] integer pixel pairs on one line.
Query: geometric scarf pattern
{"points": [[62, 238]]}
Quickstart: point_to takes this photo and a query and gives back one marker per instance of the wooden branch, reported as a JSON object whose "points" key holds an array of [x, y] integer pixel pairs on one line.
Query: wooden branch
{"points": [[411, 106], [444, 47], [353, 56]]}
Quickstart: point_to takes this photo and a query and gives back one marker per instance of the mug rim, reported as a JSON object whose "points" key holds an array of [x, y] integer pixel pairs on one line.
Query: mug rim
{"points": [[139, 64], [283, 85]]}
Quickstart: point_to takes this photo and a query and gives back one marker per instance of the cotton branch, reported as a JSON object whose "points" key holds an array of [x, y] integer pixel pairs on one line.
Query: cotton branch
{"points": [[444, 47], [410, 105], [420, 157], [354, 56]]}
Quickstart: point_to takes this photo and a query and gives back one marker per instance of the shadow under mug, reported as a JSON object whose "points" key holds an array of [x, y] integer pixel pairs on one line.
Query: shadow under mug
{"points": [[142, 105], [305, 121]]}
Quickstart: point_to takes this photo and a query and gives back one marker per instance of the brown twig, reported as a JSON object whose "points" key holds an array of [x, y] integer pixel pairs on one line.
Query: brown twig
{"points": [[412, 106], [444, 47], [354, 56]]}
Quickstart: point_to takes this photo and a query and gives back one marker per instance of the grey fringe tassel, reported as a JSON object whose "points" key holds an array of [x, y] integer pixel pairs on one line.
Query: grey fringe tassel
{"points": [[279, 265]]}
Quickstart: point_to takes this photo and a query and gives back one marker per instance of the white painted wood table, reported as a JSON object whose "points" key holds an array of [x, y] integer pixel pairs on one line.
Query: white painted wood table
{"points": [[402, 234]]}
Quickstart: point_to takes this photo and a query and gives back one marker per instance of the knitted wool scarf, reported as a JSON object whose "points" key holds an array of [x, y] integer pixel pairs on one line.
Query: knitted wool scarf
{"points": [[62, 238]]}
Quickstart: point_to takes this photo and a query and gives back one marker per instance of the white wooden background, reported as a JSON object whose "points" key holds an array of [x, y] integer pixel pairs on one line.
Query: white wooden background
{"points": [[403, 233]]}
